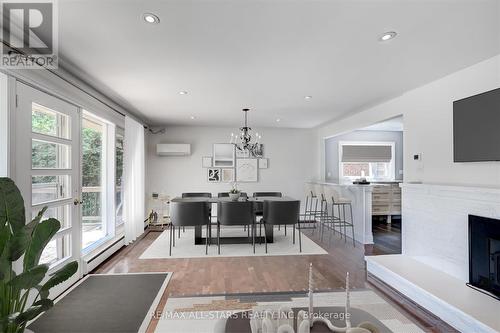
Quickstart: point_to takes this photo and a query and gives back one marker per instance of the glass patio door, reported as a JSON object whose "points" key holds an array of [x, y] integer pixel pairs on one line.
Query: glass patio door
{"points": [[47, 169]]}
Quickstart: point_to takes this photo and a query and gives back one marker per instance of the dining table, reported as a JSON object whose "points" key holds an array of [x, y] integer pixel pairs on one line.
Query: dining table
{"points": [[258, 208]]}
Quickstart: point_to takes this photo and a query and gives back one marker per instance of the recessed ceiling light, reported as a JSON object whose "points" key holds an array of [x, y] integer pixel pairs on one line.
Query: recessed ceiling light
{"points": [[192, 117], [308, 97], [388, 36], [183, 92], [278, 120], [151, 18]]}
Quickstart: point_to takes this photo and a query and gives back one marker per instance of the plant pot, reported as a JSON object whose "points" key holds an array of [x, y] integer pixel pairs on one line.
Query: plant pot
{"points": [[27, 330], [234, 196]]}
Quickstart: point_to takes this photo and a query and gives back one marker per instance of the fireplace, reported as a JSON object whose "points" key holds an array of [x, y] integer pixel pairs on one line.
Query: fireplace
{"points": [[484, 254]]}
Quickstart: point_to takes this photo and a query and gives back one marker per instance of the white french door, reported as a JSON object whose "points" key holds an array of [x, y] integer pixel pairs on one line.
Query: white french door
{"points": [[47, 169]]}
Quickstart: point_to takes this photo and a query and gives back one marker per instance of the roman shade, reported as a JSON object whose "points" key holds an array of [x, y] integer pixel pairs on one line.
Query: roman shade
{"points": [[366, 153]]}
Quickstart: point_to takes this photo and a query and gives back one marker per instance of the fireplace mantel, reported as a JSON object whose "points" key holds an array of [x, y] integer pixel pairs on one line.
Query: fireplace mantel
{"points": [[435, 223], [434, 266]]}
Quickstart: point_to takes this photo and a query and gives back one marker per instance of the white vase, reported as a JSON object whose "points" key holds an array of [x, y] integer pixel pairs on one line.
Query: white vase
{"points": [[234, 196]]}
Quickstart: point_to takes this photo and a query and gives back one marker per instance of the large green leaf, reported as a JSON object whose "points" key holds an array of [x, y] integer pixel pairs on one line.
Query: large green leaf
{"points": [[23, 317], [43, 293], [5, 267], [42, 234], [17, 244], [33, 311], [60, 276], [4, 236], [30, 278], [45, 303], [11, 205], [31, 226]]}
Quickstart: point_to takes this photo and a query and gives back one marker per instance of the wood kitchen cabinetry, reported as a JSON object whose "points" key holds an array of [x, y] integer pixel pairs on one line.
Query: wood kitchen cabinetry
{"points": [[386, 200]]}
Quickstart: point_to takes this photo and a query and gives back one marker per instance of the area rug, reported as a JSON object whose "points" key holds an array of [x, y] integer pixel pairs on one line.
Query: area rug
{"points": [[216, 314], [185, 248], [108, 303]]}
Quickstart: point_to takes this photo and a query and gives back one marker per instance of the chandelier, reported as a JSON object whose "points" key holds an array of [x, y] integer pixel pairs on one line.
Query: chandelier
{"points": [[243, 142]]}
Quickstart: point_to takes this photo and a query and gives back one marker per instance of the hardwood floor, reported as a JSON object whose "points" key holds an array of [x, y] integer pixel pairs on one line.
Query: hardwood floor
{"points": [[203, 276], [386, 237]]}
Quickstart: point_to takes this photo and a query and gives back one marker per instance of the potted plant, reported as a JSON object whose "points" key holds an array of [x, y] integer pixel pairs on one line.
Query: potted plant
{"points": [[24, 290], [234, 193]]}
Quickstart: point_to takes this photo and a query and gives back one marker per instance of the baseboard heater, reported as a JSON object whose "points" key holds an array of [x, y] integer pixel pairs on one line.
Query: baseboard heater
{"points": [[91, 264]]}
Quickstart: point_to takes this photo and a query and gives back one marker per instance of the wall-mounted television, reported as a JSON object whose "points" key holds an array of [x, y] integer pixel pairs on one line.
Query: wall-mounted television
{"points": [[476, 128]]}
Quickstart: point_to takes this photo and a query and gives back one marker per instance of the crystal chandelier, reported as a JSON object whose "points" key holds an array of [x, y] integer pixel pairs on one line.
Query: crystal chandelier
{"points": [[243, 141]]}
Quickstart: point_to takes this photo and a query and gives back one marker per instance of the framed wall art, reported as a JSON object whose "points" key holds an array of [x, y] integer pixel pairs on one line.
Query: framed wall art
{"points": [[213, 175], [223, 155], [246, 170], [227, 175]]}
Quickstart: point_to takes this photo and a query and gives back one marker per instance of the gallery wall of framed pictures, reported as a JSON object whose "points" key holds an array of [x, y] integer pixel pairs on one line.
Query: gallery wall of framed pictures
{"points": [[227, 164]]}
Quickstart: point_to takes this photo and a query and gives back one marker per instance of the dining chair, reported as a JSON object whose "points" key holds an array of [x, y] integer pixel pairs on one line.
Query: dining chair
{"points": [[285, 213], [189, 214], [267, 194], [242, 195], [196, 195], [235, 213], [259, 206]]}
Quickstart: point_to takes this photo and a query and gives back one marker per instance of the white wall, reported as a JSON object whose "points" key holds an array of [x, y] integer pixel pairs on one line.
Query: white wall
{"points": [[290, 154], [428, 113]]}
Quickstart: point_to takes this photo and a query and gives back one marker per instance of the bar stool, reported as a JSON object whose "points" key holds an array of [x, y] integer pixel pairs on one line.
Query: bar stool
{"points": [[330, 221], [306, 217], [311, 207], [319, 214], [341, 219]]}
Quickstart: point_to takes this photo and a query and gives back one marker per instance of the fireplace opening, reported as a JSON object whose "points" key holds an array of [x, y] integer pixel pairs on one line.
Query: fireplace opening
{"points": [[484, 254]]}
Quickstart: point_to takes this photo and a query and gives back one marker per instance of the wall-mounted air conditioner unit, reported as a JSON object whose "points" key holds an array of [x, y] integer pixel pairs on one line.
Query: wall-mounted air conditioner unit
{"points": [[173, 149]]}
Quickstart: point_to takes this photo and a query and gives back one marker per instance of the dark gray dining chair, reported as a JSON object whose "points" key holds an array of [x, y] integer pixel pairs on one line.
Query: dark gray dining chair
{"points": [[282, 212], [189, 214], [267, 194], [243, 195], [196, 195], [259, 207], [235, 213]]}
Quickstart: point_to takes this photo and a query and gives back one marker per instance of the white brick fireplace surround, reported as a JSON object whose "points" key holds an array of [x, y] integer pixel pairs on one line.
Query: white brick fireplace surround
{"points": [[433, 269]]}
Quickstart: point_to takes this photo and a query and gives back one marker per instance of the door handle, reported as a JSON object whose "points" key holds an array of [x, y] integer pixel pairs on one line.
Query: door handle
{"points": [[77, 202]]}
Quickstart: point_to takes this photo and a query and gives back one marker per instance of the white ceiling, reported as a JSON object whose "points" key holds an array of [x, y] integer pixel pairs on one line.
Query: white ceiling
{"points": [[269, 54], [392, 125]]}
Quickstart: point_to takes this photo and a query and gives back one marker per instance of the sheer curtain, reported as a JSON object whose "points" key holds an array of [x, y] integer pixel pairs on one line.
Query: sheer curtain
{"points": [[133, 172]]}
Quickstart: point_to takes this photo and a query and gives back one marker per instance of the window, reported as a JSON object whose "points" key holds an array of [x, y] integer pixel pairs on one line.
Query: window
{"points": [[102, 172], [119, 176], [93, 173], [371, 160]]}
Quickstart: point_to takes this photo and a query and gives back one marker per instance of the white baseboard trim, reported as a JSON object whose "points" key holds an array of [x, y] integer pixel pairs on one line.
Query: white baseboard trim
{"points": [[91, 263]]}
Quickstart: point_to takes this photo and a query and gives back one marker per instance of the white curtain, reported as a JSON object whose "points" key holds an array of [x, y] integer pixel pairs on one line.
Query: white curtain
{"points": [[133, 169]]}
